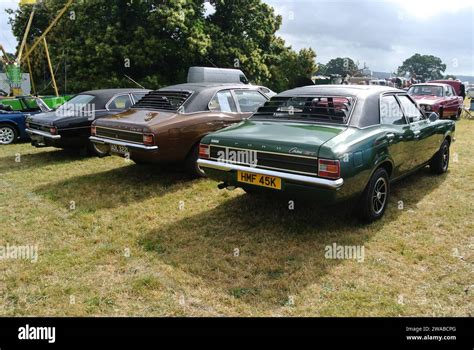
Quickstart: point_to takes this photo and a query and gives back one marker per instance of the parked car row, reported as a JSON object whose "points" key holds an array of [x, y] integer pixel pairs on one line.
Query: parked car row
{"points": [[328, 142]]}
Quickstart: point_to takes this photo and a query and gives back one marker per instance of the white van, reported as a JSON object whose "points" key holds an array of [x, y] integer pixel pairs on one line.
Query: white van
{"points": [[381, 82], [216, 75]]}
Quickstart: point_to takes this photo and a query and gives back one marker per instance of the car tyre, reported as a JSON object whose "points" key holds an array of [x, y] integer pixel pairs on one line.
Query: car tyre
{"points": [[191, 164], [440, 112], [99, 150], [440, 162], [375, 197], [8, 134], [458, 115]]}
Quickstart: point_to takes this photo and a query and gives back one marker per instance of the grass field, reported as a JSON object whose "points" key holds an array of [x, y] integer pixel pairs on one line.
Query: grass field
{"points": [[119, 239]]}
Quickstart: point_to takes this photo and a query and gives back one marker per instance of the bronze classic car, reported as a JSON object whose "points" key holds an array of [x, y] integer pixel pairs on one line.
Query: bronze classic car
{"points": [[167, 125]]}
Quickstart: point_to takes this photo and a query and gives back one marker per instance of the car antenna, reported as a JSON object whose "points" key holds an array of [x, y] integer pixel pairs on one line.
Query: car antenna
{"points": [[133, 81]]}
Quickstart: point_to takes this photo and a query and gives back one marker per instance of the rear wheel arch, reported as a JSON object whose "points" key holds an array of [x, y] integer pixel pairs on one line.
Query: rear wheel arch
{"points": [[448, 138], [195, 144], [12, 124], [190, 161], [15, 131], [385, 163]]}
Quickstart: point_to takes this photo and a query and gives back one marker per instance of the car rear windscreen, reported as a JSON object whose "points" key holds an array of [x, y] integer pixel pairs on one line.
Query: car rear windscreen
{"points": [[165, 100], [329, 109]]}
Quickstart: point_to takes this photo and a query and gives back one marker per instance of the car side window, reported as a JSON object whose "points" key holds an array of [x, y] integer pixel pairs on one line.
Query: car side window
{"points": [[249, 100], [223, 102], [410, 109], [120, 102], [448, 92], [390, 111]]}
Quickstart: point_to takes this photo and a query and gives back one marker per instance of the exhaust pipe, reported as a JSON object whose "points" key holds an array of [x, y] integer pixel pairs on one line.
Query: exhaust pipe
{"points": [[225, 185]]}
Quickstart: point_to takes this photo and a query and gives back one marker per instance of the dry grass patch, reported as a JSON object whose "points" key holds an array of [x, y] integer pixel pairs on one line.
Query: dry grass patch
{"points": [[147, 241]]}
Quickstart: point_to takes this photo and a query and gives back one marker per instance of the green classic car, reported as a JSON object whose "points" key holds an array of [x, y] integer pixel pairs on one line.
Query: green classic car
{"points": [[330, 143]]}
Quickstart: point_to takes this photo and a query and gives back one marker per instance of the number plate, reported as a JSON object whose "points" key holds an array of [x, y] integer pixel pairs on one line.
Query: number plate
{"points": [[259, 180], [119, 149]]}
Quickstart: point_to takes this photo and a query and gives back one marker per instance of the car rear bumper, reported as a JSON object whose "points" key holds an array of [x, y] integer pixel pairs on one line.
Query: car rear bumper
{"points": [[106, 141], [43, 134], [289, 177]]}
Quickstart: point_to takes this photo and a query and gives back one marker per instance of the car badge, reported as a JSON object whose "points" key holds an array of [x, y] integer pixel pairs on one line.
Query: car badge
{"points": [[150, 115]]}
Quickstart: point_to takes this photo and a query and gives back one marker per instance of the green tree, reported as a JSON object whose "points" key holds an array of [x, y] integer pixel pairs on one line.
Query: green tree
{"points": [[321, 69], [98, 42], [243, 36], [101, 41], [425, 67], [342, 66], [292, 69]]}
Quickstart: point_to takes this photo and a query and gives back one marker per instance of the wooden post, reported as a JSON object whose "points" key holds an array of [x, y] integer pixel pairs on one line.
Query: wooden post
{"points": [[50, 67], [31, 73]]}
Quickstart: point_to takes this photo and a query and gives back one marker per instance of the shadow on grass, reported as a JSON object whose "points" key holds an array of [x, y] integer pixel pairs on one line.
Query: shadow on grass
{"points": [[257, 250], [116, 188], [38, 160]]}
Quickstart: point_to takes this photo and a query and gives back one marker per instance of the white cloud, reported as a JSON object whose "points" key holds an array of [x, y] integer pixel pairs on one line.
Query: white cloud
{"points": [[382, 33], [6, 36], [425, 9]]}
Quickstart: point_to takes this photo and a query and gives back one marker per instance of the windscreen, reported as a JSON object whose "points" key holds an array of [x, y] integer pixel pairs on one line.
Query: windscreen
{"points": [[428, 90], [328, 109]]}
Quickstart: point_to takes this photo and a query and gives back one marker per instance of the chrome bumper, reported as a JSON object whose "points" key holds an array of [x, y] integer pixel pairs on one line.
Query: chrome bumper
{"points": [[105, 141], [308, 180], [42, 133]]}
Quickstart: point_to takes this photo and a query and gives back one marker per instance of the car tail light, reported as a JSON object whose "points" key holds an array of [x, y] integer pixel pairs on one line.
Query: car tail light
{"points": [[204, 151], [148, 139], [53, 130], [329, 168], [93, 130]]}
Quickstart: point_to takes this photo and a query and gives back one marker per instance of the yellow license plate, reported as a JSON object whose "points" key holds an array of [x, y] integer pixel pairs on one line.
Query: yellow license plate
{"points": [[259, 180]]}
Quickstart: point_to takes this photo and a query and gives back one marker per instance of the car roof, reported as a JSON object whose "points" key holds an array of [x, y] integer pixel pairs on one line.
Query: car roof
{"points": [[202, 93], [367, 99], [111, 92], [101, 97], [204, 86], [433, 84], [340, 90]]}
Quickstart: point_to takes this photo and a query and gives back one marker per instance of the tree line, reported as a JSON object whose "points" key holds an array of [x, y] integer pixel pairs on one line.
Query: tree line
{"points": [[97, 43], [425, 67]]}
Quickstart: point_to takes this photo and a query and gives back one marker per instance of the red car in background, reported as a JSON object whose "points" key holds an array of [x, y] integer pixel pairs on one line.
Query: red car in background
{"points": [[457, 86], [439, 98]]}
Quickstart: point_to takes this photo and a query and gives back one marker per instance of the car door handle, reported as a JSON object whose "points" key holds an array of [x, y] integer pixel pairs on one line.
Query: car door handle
{"points": [[417, 133]]}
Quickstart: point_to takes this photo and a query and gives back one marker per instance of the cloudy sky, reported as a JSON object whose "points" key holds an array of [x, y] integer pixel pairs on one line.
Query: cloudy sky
{"points": [[381, 33]]}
